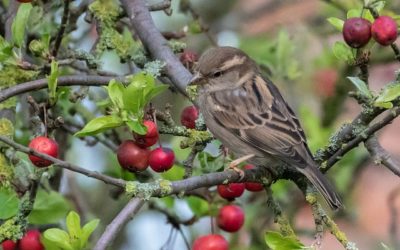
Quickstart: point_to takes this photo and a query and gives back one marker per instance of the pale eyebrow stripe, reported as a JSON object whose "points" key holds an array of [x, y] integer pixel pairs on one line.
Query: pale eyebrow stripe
{"points": [[236, 60]]}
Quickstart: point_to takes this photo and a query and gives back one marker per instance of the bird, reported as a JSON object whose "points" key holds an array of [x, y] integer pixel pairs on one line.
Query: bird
{"points": [[247, 113]]}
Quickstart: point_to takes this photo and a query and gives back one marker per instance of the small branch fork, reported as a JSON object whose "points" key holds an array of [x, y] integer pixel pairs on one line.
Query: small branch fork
{"points": [[381, 156]]}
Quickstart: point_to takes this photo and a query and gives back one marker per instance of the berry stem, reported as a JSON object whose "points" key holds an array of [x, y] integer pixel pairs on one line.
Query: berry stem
{"points": [[153, 115], [45, 120]]}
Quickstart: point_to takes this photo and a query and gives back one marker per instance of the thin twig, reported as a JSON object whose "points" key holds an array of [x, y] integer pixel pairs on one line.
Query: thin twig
{"points": [[363, 136], [63, 25], [393, 230], [166, 4], [381, 156], [93, 174], [321, 216], [125, 215], [75, 80]]}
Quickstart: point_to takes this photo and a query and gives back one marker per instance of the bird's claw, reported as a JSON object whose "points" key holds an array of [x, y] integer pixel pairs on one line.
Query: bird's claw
{"points": [[233, 165]]}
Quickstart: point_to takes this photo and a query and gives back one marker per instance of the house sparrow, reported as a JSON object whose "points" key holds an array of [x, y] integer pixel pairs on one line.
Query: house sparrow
{"points": [[247, 113]]}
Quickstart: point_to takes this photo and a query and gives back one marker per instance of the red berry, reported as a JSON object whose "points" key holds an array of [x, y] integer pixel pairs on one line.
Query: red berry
{"points": [[43, 145], [189, 116], [31, 241], [9, 245], [210, 242], [132, 157], [252, 186], [188, 57], [384, 30], [357, 32], [230, 218], [24, 1], [161, 159], [151, 136], [231, 190]]}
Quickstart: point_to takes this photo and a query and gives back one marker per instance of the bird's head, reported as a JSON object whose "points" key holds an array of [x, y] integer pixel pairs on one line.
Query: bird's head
{"points": [[222, 68]]}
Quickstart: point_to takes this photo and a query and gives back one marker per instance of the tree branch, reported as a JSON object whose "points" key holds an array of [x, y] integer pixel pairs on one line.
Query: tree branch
{"points": [[151, 37], [63, 25], [125, 215], [75, 80], [364, 135], [381, 156], [106, 179], [159, 188]]}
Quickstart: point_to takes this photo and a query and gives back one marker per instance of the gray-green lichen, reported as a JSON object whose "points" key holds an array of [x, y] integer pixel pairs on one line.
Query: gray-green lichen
{"points": [[154, 68], [107, 13], [146, 190], [11, 229], [177, 46]]}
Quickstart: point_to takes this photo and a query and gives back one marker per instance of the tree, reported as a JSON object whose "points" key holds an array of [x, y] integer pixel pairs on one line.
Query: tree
{"points": [[50, 91]]}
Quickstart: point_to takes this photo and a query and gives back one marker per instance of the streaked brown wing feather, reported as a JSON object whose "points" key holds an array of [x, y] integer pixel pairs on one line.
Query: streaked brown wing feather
{"points": [[260, 117]]}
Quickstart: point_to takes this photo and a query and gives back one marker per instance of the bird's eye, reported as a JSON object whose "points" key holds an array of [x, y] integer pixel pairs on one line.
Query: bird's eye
{"points": [[217, 74]]}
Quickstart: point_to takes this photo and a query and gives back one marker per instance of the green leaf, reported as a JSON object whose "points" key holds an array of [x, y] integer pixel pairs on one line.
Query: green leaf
{"points": [[389, 93], [5, 50], [199, 206], [210, 163], [353, 13], [156, 90], [8, 203], [378, 5], [73, 222], [336, 22], [385, 105], [343, 52], [87, 230], [361, 86], [52, 82], [137, 127], [100, 124], [174, 174], [59, 237], [134, 96], [276, 241], [19, 23], [115, 92], [49, 208]]}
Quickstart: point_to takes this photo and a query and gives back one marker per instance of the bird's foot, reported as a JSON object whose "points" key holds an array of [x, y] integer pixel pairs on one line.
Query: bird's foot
{"points": [[234, 165]]}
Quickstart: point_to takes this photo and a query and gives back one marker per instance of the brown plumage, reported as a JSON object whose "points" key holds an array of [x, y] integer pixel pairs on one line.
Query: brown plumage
{"points": [[248, 114]]}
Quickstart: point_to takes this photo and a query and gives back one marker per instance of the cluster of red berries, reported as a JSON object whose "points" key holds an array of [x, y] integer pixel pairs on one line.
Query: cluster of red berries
{"points": [[135, 155], [357, 31], [230, 217], [30, 241]]}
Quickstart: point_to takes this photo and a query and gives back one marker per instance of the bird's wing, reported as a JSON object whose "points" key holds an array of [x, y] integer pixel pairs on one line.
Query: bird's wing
{"points": [[258, 115]]}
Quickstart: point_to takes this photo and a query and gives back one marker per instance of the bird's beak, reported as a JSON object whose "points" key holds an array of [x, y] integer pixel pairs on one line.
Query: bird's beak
{"points": [[196, 79]]}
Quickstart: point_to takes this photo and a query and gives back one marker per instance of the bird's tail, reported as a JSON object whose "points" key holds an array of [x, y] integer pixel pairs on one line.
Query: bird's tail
{"points": [[323, 186]]}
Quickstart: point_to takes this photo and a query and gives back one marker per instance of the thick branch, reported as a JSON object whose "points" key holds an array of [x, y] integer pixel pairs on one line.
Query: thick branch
{"points": [[381, 156], [76, 80], [151, 37], [125, 215]]}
